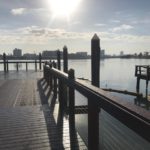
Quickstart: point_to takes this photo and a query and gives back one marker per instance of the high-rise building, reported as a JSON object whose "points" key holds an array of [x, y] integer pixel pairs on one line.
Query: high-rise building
{"points": [[17, 52], [102, 53]]}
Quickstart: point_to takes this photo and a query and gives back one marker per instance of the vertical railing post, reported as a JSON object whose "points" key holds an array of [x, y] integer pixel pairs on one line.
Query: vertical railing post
{"points": [[93, 107], [71, 98], [138, 85], [95, 60], [50, 77], [7, 66], [4, 60], [61, 95], [55, 81], [44, 70], [58, 60], [65, 59], [40, 58]]}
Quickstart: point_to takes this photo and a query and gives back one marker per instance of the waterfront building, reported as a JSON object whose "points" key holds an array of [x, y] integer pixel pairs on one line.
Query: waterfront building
{"points": [[102, 53], [17, 52], [121, 53], [29, 55], [50, 54]]}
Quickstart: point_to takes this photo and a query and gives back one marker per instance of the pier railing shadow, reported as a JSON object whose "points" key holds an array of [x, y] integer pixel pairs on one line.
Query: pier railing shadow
{"points": [[55, 119]]}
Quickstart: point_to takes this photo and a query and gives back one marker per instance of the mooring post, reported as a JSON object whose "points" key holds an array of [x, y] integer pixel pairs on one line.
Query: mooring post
{"points": [[93, 107], [17, 65], [138, 85], [4, 60], [65, 68], [35, 65], [65, 58], [26, 66], [71, 98], [58, 60], [60, 84], [95, 60], [40, 58]]}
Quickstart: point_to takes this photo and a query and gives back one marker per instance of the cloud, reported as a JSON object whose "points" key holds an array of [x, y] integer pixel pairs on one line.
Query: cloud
{"points": [[23, 11], [141, 21], [115, 21], [38, 35], [122, 27], [41, 36], [18, 11], [99, 24]]}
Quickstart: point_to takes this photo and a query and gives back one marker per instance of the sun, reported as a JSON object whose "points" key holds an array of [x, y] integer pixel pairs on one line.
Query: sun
{"points": [[63, 8]]}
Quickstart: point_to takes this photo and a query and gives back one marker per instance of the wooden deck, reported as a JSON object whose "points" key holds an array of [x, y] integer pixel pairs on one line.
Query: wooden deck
{"points": [[30, 118]]}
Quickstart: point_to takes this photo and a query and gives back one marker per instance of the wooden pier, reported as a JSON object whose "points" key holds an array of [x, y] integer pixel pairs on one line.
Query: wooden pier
{"points": [[142, 72], [38, 111]]}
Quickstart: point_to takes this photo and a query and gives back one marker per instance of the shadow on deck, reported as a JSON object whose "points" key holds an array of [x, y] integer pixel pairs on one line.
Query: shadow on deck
{"points": [[35, 123], [61, 132]]}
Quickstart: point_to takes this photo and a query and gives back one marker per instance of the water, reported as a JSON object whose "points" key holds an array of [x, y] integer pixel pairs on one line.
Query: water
{"points": [[114, 73]]}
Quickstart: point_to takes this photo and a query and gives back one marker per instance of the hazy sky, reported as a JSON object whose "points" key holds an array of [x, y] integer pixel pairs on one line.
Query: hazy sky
{"points": [[36, 25]]}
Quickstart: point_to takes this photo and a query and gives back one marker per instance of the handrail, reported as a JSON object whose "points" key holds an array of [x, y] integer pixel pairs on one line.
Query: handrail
{"points": [[132, 116], [22, 61]]}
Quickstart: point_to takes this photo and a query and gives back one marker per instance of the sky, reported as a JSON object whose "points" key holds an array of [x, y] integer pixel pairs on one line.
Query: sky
{"points": [[37, 25]]}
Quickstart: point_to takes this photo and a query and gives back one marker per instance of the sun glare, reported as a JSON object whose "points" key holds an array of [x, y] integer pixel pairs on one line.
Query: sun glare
{"points": [[63, 8]]}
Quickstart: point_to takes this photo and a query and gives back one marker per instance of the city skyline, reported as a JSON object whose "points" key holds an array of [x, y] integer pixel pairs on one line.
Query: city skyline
{"points": [[37, 25]]}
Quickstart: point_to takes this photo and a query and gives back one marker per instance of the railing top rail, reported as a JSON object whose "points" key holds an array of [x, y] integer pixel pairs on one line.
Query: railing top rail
{"points": [[23, 61], [143, 66]]}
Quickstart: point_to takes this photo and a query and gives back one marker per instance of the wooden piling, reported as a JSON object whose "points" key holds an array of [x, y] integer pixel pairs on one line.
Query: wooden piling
{"points": [[71, 98], [58, 60], [40, 58], [4, 60], [93, 108], [93, 124], [95, 61], [17, 66], [138, 85], [26, 66], [35, 65], [65, 59], [65, 69]]}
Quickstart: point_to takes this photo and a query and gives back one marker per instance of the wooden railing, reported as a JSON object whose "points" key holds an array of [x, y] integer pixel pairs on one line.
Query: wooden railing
{"points": [[129, 114], [6, 63], [37, 64]]}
